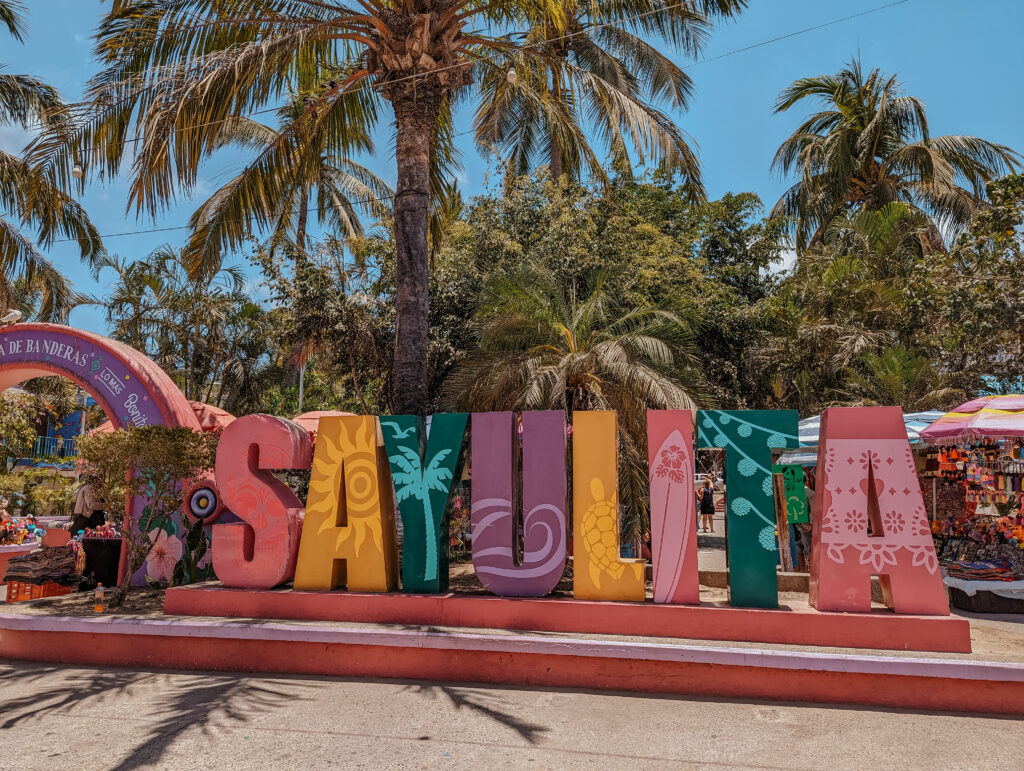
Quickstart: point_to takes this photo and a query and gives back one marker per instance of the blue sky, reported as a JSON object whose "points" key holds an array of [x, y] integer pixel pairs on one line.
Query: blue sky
{"points": [[964, 59]]}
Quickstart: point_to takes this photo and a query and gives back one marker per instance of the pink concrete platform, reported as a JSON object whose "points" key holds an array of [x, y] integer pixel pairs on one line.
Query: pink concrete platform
{"points": [[527, 660], [880, 630]]}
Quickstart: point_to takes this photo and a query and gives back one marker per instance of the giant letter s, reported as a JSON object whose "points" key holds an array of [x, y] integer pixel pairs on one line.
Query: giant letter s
{"points": [[259, 552]]}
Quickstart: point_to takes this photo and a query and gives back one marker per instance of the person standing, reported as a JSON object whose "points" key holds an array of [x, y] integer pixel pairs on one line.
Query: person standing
{"points": [[88, 507], [707, 506]]}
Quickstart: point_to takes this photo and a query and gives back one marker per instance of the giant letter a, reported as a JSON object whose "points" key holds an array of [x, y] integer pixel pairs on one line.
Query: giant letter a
{"points": [[869, 517], [348, 538]]}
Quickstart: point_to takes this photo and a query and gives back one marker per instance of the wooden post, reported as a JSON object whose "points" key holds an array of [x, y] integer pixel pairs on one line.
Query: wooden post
{"points": [[782, 522]]}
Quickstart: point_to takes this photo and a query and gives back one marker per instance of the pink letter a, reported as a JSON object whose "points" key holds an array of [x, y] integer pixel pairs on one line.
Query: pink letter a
{"points": [[866, 475]]}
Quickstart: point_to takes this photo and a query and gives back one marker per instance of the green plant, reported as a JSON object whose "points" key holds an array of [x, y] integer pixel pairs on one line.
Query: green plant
{"points": [[152, 464], [48, 493], [544, 345], [30, 197], [17, 427], [868, 146]]}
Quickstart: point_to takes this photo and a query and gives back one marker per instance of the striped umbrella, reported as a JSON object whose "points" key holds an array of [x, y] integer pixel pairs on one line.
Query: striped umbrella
{"points": [[988, 416], [807, 455]]}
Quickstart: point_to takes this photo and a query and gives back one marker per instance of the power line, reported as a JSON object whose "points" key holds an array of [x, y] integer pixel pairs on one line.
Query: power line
{"points": [[535, 44], [538, 43]]}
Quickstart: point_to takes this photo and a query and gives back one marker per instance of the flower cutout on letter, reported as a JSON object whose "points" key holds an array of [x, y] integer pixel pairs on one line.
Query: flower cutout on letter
{"points": [[853, 521], [894, 522], [877, 555], [163, 556], [830, 524], [670, 463]]}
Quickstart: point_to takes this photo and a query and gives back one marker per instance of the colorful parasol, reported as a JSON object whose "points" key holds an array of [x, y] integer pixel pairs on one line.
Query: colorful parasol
{"points": [[987, 416], [807, 455]]}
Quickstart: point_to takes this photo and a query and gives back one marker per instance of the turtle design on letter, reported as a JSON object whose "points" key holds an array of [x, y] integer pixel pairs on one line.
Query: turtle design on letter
{"points": [[602, 541]]}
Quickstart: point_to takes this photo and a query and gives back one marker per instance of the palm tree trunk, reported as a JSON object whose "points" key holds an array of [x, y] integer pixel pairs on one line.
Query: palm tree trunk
{"points": [[300, 228], [416, 121], [556, 159], [556, 147], [428, 527]]}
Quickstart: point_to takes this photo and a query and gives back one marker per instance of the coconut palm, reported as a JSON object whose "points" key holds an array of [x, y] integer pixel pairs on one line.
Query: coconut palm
{"points": [[901, 377], [592, 67], [30, 198], [207, 334], [544, 345], [176, 71], [276, 191], [869, 146]]}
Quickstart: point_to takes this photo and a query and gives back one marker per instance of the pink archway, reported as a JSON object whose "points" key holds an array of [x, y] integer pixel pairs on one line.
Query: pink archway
{"points": [[129, 387]]}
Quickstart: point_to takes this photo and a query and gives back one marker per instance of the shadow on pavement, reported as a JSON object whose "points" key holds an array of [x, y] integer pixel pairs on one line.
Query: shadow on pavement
{"points": [[200, 700], [482, 701]]}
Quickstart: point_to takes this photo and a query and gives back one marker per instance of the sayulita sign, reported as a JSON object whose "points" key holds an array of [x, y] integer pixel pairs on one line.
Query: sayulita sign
{"points": [[868, 519]]}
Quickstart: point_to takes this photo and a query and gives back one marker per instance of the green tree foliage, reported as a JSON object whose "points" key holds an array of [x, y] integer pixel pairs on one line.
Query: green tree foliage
{"points": [[32, 197], [280, 189], [208, 335], [17, 425], [152, 463], [591, 70], [868, 146], [975, 294]]}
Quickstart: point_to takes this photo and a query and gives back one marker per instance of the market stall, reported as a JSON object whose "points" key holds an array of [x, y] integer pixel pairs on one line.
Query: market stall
{"points": [[975, 461]]}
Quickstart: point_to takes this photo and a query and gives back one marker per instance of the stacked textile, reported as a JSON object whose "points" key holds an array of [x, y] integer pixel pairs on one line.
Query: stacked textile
{"points": [[994, 570], [47, 563]]}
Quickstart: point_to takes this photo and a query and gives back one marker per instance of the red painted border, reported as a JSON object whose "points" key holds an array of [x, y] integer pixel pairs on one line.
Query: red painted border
{"points": [[534, 661], [881, 630]]}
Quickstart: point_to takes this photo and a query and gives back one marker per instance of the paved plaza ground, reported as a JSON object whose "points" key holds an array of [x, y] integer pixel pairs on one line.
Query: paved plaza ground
{"points": [[53, 718]]}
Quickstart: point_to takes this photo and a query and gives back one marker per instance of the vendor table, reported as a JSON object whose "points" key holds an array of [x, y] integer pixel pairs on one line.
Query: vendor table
{"points": [[102, 556], [6, 552], [986, 596]]}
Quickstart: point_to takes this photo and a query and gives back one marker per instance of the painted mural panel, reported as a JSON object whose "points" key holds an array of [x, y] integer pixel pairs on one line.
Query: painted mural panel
{"points": [[870, 518], [260, 551], [504, 563], [673, 510], [748, 438], [599, 573], [424, 470], [348, 534]]}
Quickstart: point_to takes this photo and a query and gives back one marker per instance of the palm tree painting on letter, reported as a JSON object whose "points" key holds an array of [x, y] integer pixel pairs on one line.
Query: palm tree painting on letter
{"points": [[415, 481], [423, 483]]}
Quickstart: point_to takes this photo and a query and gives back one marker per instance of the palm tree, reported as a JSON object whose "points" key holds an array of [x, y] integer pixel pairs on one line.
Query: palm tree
{"points": [[206, 334], [30, 197], [178, 70], [870, 146], [544, 345], [901, 377], [275, 191], [591, 67]]}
